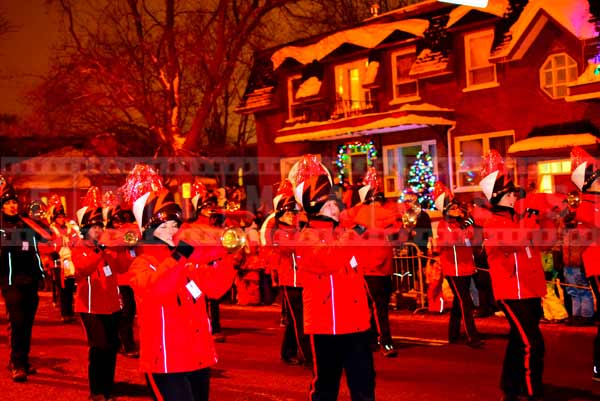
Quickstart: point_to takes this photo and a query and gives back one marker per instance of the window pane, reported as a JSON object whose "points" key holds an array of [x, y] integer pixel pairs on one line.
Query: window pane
{"points": [[559, 61], [406, 89], [482, 75], [561, 91], [561, 76], [470, 162], [479, 50], [501, 144], [548, 78], [403, 64]]}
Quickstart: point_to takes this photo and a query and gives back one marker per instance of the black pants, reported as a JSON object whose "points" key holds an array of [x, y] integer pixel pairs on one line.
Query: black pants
{"points": [[103, 340], [214, 312], [295, 343], [127, 319], [483, 283], [66, 297], [334, 354], [21, 304], [380, 289], [462, 309], [524, 359], [595, 282], [185, 386]]}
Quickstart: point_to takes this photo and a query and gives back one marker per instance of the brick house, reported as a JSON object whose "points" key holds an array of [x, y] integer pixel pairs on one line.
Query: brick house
{"points": [[451, 80]]}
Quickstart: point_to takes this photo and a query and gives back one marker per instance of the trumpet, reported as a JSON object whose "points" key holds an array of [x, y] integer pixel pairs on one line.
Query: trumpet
{"points": [[573, 199], [37, 210], [409, 218], [131, 238], [233, 238]]}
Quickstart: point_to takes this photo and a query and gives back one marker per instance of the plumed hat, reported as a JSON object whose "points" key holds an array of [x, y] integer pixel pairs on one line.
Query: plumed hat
{"points": [[55, 207], [495, 182], [312, 183], [198, 193], [442, 196], [152, 204], [7, 191], [583, 169], [370, 186], [284, 199], [91, 212]]}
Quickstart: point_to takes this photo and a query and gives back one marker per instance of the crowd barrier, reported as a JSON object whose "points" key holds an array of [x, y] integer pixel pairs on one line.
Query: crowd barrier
{"points": [[408, 276]]}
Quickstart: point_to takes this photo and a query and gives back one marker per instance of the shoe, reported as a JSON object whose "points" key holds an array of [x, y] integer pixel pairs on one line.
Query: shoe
{"points": [[97, 397], [131, 354], [596, 377], [68, 319], [475, 343], [31, 371], [293, 361], [19, 375], [218, 338], [389, 351]]}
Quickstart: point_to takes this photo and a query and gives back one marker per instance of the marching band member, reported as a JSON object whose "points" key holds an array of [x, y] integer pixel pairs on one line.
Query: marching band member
{"points": [[176, 268], [517, 280], [20, 275], [455, 233], [66, 235], [97, 296], [336, 311], [295, 345], [584, 172], [371, 221]]}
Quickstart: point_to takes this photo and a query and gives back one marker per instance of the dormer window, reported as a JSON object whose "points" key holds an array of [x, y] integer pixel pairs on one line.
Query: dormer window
{"points": [[405, 87], [293, 84], [480, 72], [557, 72]]}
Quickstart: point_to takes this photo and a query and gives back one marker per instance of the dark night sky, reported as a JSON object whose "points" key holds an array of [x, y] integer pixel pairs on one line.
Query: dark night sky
{"points": [[24, 53]]}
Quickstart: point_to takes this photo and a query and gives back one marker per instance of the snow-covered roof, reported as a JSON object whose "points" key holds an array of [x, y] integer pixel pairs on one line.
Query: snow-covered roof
{"points": [[308, 88], [553, 142], [429, 63], [573, 15], [389, 124], [494, 7], [424, 107], [367, 36], [587, 85]]}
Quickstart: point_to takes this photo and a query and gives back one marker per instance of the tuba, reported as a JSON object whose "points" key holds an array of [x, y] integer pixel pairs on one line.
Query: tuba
{"points": [[409, 218], [233, 238]]}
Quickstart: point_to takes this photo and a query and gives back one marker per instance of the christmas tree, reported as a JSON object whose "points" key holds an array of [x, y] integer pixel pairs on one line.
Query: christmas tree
{"points": [[421, 179]]}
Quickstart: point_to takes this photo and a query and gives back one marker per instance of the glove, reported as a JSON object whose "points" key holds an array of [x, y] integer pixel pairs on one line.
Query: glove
{"points": [[464, 223], [183, 249]]}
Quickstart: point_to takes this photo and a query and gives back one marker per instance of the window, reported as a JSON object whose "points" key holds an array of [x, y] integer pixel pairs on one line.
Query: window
{"points": [[556, 73], [554, 176], [293, 85], [480, 72], [469, 152], [350, 94], [397, 160], [404, 86]]}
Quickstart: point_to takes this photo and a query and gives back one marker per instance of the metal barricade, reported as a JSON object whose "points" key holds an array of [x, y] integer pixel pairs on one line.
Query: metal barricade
{"points": [[408, 276]]}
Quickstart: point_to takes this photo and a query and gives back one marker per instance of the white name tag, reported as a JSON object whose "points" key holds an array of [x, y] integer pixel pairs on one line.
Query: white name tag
{"points": [[528, 252], [107, 271], [132, 253], [25, 246], [467, 242], [353, 262], [193, 289]]}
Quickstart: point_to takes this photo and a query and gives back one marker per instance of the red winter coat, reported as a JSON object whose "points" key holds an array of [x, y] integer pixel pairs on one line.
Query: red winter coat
{"points": [[515, 264], [96, 277], [456, 253], [175, 333], [282, 258], [334, 296]]}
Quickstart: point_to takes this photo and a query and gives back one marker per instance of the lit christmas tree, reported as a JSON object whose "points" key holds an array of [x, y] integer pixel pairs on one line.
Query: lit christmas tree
{"points": [[421, 179]]}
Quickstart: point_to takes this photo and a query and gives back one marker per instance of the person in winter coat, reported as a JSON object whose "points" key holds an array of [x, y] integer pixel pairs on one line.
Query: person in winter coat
{"points": [[295, 344], [97, 296], [517, 281], [176, 268], [455, 233], [21, 273], [584, 172], [336, 311]]}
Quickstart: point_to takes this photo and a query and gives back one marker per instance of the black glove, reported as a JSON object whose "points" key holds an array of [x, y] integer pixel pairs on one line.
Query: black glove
{"points": [[183, 249], [54, 256]]}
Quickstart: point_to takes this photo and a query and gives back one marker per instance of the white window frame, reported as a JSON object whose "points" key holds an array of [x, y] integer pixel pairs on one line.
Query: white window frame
{"points": [[470, 86], [485, 136], [292, 95], [395, 81], [555, 70], [364, 94], [387, 174]]}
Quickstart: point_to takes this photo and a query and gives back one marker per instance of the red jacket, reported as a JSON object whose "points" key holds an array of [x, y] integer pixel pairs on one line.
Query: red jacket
{"points": [[515, 263], [282, 258], [96, 277], [334, 296], [456, 252], [175, 333]]}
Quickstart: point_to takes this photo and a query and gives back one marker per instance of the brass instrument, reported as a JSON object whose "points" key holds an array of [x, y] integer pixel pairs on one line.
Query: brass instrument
{"points": [[233, 238], [573, 199], [409, 218], [37, 211], [131, 238]]}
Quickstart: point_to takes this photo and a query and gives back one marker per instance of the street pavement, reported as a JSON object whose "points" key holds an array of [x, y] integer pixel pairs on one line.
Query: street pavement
{"points": [[426, 369]]}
